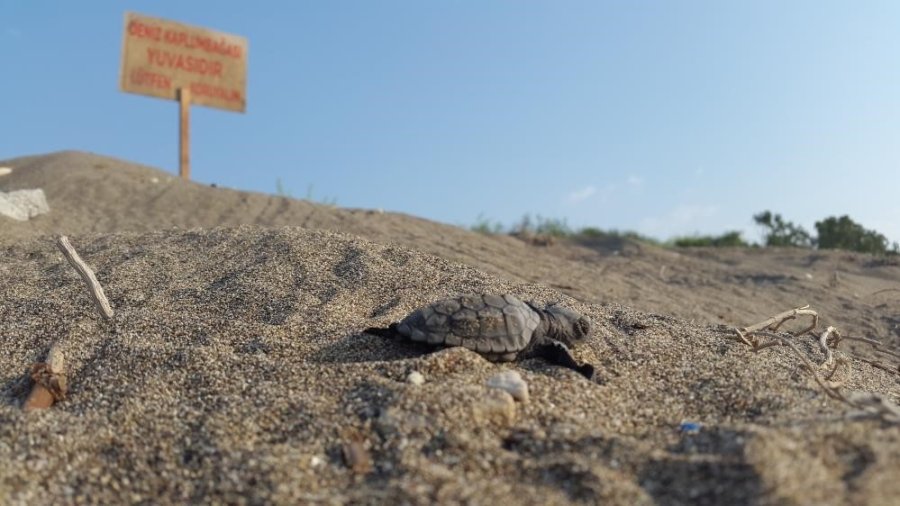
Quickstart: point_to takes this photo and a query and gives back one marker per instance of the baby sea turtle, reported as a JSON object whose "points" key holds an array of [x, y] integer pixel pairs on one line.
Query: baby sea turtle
{"points": [[501, 328]]}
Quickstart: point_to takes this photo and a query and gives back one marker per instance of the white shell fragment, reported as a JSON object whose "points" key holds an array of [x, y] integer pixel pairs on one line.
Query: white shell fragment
{"points": [[511, 382], [415, 378], [5, 171]]}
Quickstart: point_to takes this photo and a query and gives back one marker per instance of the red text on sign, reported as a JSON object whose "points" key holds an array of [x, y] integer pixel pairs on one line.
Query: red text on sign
{"points": [[202, 66], [141, 77], [213, 91], [208, 44], [219, 46], [138, 29]]}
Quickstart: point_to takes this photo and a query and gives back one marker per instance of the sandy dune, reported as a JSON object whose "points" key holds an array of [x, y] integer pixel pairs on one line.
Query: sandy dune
{"points": [[235, 369]]}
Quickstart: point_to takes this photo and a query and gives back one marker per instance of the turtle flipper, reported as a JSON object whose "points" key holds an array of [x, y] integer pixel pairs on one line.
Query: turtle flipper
{"points": [[558, 353], [389, 333]]}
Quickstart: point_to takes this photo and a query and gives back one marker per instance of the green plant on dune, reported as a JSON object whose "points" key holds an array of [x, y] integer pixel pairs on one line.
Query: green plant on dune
{"points": [[280, 190], [833, 233], [328, 201], [778, 232], [731, 239], [483, 225], [552, 227], [589, 233], [844, 233]]}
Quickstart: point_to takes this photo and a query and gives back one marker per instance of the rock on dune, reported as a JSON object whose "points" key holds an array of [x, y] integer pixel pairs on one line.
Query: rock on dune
{"points": [[23, 205]]}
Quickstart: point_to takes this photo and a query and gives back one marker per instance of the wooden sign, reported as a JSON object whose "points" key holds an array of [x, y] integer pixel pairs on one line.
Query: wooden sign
{"points": [[193, 65], [161, 57]]}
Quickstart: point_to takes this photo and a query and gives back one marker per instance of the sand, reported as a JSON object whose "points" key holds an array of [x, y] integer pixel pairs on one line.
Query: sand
{"points": [[235, 369], [96, 194]]}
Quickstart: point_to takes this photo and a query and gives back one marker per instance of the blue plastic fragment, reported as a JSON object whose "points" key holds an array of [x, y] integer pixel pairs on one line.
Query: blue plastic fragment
{"points": [[690, 427]]}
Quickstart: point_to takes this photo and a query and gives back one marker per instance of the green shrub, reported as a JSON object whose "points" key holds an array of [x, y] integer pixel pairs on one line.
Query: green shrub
{"points": [[592, 233], [588, 233], [782, 233], [730, 239], [844, 233]]}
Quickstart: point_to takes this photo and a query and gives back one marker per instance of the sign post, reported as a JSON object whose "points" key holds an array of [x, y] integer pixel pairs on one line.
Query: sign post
{"points": [[184, 133], [192, 65]]}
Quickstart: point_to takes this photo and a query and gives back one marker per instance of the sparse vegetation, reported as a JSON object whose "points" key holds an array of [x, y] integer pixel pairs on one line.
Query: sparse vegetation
{"points": [[540, 226], [282, 191], [833, 233], [844, 233], [782, 233], [484, 225], [589, 233], [730, 239], [545, 230], [328, 201]]}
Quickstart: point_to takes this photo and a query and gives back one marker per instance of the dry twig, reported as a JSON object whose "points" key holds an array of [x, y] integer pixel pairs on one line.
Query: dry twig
{"points": [[823, 343], [49, 382], [87, 275], [828, 339], [775, 322], [876, 345]]}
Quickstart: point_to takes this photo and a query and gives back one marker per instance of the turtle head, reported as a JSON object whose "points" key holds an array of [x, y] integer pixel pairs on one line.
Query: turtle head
{"points": [[567, 325]]}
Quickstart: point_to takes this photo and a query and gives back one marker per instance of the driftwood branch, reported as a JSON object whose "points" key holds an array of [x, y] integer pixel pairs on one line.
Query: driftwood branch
{"points": [[775, 322], [869, 404], [876, 345], [823, 343], [87, 275], [49, 381]]}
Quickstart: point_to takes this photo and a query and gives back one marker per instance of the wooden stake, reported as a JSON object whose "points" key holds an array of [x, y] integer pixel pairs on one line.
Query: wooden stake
{"points": [[184, 159]]}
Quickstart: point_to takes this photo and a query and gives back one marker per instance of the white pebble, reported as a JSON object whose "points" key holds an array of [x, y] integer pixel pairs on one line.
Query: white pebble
{"points": [[415, 378], [316, 461], [5, 170], [512, 382]]}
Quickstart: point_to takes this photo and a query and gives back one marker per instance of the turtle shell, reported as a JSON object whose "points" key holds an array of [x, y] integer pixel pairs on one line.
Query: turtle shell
{"points": [[490, 324]]}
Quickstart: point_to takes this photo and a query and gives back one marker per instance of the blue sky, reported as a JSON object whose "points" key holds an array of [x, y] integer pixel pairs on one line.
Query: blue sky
{"points": [[663, 117]]}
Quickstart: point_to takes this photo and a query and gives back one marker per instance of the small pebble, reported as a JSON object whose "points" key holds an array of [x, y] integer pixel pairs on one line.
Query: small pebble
{"points": [[512, 382], [316, 461], [415, 378]]}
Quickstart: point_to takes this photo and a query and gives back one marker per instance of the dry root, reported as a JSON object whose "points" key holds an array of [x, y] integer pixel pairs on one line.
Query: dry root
{"points": [[765, 334]]}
